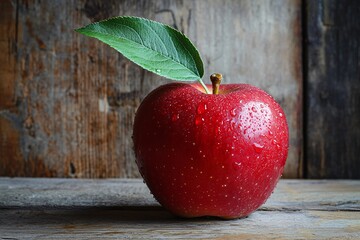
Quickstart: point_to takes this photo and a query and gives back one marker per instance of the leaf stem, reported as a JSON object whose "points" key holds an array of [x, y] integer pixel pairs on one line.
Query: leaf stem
{"points": [[204, 86]]}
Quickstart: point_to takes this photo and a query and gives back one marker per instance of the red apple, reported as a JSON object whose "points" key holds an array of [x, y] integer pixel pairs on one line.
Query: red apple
{"points": [[210, 154]]}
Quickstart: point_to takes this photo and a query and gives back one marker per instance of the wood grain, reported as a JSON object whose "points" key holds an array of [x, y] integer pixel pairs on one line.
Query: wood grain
{"points": [[56, 193], [68, 102], [124, 208], [333, 89]]}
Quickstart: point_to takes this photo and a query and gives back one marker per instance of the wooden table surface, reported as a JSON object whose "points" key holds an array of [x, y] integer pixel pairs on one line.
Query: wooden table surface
{"points": [[40, 208]]}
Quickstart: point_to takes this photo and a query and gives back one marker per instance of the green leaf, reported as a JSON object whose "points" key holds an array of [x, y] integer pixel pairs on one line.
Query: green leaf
{"points": [[152, 45]]}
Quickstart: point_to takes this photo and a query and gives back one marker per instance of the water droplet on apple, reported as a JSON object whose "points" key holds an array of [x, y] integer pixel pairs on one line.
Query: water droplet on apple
{"points": [[198, 120], [258, 147], [236, 165], [201, 108], [280, 114], [175, 117], [254, 109], [233, 112], [158, 70]]}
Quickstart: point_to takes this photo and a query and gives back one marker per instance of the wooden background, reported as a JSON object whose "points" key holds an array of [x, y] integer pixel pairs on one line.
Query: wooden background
{"points": [[332, 100], [67, 102]]}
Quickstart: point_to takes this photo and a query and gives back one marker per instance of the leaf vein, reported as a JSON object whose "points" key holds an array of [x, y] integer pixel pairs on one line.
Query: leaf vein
{"points": [[165, 56]]}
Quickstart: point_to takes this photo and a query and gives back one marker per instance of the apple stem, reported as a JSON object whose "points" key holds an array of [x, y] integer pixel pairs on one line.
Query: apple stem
{"points": [[216, 80], [204, 86]]}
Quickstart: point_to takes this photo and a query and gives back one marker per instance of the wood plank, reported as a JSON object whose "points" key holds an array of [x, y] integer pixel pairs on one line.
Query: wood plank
{"points": [[131, 193], [333, 89], [150, 224], [124, 208], [68, 102]]}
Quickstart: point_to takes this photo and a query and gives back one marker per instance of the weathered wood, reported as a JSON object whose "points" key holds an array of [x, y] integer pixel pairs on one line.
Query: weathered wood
{"points": [[67, 102], [132, 193], [150, 224], [124, 208], [333, 89]]}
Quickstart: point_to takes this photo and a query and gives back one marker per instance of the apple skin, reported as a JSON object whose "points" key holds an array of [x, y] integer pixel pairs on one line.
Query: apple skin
{"points": [[210, 155]]}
